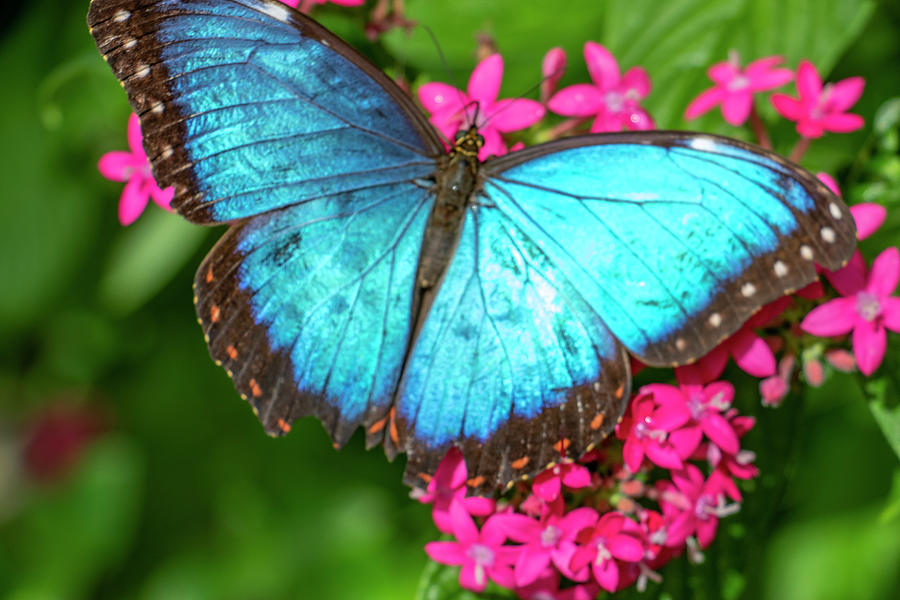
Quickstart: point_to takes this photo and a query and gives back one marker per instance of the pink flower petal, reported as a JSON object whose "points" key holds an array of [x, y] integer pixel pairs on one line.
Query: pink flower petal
{"points": [[576, 476], [843, 122], [640, 120], [706, 101], [135, 139], [117, 166], [484, 83], [720, 432], [844, 94], [773, 390], [835, 317], [685, 441], [637, 80], [438, 96], [163, 198], [850, 278], [473, 577], [446, 553], [530, 564], [463, 526], [809, 84], [664, 457], [607, 575], [601, 65], [885, 273], [625, 547], [832, 185], [579, 100], [810, 129], [633, 454], [519, 527], [706, 531], [890, 313], [493, 144], [788, 107], [753, 355], [869, 343], [869, 217], [736, 108], [132, 202], [512, 115], [723, 73]]}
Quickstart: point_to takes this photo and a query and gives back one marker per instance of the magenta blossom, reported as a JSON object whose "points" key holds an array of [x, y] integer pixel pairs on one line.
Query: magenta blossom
{"points": [[735, 87], [707, 405], [481, 554], [651, 427], [448, 486], [550, 539], [452, 109], [819, 108], [613, 99], [692, 506], [773, 389], [134, 168], [548, 485], [866, 307], [603, 545], [553, 66]]}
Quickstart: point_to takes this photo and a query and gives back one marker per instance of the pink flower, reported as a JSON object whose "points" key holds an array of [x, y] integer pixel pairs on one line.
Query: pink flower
{"points": [[866, 307], [548, 485], [305, 6], [613, 99], [552, 69], [547, 588], [601, 546], [452, 109], [134, 168], [550, 539], [481, 554], [727, 465], [841, 360], [750, 352], [707, 405], [651, 428], [692, 506], [447, 487], [735, 87], [821, 108], [773, 389]]}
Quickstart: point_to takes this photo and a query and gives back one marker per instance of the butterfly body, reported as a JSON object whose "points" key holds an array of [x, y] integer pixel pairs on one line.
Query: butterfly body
{"points": [[373, 280]]}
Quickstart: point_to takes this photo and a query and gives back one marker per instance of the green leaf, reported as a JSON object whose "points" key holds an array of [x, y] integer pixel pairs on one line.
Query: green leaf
{"points": [[886, 410], [145, 257]]}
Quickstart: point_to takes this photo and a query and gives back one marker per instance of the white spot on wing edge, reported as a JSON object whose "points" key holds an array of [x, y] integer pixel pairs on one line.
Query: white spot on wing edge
{"points": [[121, 15], [680, 344], [703, 143], [827, 234], [835, 210], [748, 289], [715, 319], [780, 268], [142, 71], [806, 252], [129, 43], [276, 11]]}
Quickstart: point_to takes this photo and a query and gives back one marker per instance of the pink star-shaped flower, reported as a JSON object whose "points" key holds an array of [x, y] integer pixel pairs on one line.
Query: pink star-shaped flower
{"points": [[134, 168], [452, 109], [545, 541], [603, 545], [651, 428], [548, 485], [613, 99], [448, 486], [692, 506], [481, 554], [735, 87], [819, 108], [866, 307]]}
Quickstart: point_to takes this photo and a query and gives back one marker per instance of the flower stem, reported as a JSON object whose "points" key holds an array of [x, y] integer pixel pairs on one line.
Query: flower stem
{"points": [[800, 149], [759, 129]]}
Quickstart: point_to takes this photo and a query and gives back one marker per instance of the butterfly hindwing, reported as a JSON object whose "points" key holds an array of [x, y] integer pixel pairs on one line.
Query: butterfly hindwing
{"points": [[309, 309], [675, 239], [512, 364], [248, 106]]}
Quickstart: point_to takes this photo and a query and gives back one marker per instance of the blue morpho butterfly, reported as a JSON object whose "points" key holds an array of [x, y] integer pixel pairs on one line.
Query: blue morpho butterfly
{"points": [[372, 279]]}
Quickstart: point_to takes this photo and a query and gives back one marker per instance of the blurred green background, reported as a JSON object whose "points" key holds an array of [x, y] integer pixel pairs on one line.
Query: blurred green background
{"points": [[177, 493]]}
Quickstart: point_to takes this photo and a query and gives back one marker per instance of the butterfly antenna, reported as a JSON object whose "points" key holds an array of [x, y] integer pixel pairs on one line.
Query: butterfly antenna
{"points": [[522, 96], [446, 65]]}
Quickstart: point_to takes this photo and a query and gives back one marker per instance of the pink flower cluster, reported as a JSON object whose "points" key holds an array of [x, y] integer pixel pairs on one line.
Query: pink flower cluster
{"points": [[543, 544]]}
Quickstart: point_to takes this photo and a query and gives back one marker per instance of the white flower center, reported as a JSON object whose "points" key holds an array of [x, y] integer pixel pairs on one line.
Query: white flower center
{"points": [[550, 536], [867, 306]]}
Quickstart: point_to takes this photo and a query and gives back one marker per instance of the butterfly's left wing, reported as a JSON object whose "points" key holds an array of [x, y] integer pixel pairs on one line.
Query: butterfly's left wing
{"points": [[662, 243]]}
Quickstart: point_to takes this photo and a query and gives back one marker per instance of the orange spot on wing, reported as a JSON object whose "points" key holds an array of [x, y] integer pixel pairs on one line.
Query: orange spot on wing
{"points": [[562, 444], [475, 481], [597, 421], [378, 425], [214, 313], [232, 352], [620, 390], [395, 436], [255, 389], [209, 275], [520, 463], [284, 425], [424, 477]]}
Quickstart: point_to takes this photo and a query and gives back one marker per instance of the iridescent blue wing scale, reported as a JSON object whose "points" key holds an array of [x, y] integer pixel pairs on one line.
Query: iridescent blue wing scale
{"points": [[261, 118]]}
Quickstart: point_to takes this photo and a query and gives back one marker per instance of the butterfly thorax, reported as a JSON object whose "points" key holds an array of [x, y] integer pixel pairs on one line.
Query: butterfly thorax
{"points": [[454, 185]]}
